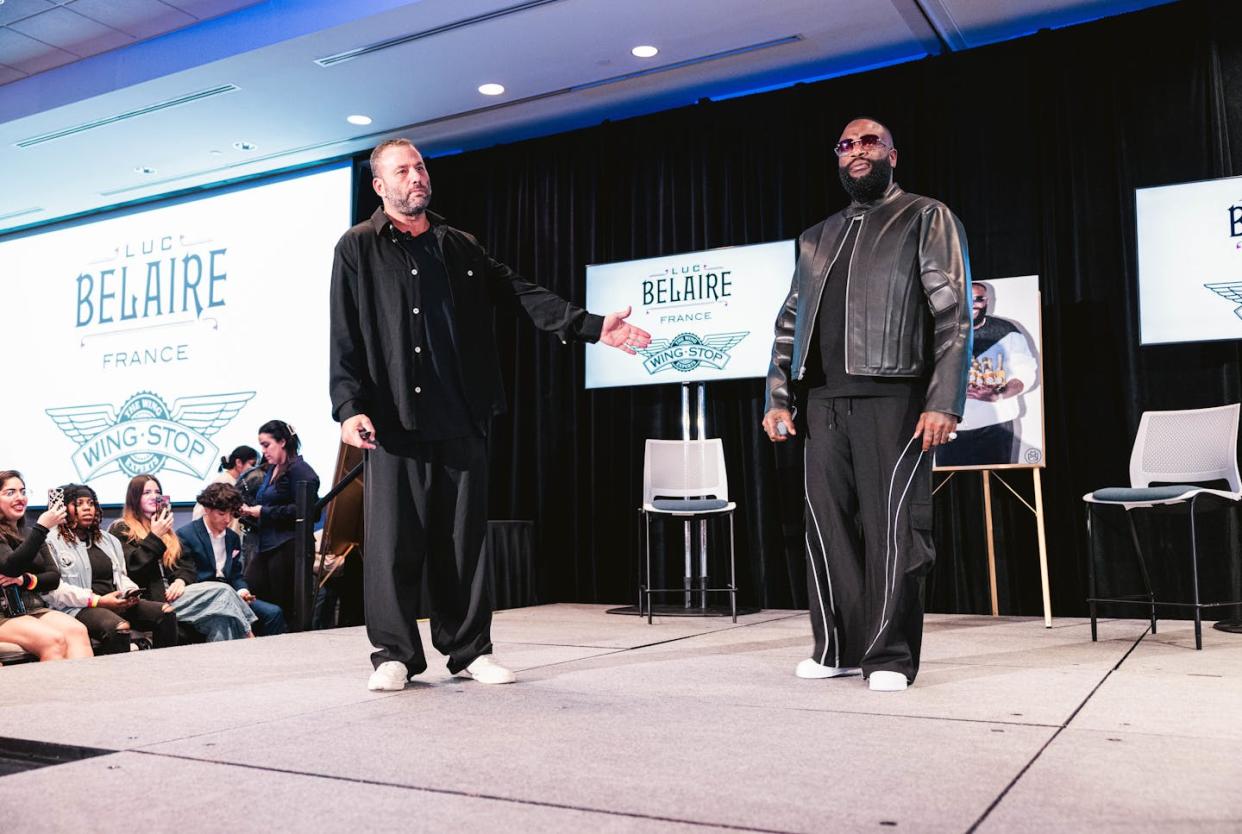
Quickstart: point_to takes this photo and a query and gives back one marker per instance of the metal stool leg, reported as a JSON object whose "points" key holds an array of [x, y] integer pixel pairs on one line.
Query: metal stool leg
{"points": [[1138, 551], [1194, 564], [732, 571], [1091, 575]]}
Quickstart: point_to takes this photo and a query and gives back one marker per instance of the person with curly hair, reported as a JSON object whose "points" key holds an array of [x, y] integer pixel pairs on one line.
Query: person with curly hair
{"points": [[211, 556], [154, 559], [27, 568], [94, 584]]}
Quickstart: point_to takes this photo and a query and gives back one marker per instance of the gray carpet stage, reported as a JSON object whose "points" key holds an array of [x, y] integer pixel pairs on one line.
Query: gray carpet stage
{"points": [[688, 725]]}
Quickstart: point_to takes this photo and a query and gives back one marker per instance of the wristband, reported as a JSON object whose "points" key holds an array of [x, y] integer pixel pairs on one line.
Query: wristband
{"points": [[34, 580], [94, 600]]}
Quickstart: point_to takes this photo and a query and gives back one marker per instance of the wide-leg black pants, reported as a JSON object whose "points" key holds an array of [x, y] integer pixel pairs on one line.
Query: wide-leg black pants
{"points": [[426, 506], [868, 531]]}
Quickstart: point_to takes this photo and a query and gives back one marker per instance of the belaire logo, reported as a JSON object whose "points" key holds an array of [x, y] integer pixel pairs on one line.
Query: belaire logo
{"points": [[146, 436], [686, 352]]}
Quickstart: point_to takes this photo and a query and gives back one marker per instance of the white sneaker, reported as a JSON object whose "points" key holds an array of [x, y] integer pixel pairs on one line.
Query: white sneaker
{"points": [[811, 670], [887, 681], [389, 677], [486, 670]]}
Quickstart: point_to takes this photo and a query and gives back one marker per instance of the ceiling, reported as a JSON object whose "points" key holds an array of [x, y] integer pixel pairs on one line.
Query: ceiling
{"points": [[108, 102]]}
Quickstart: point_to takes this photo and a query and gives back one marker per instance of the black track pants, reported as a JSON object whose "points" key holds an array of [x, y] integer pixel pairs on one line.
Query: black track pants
{"points": [[868, 531]]}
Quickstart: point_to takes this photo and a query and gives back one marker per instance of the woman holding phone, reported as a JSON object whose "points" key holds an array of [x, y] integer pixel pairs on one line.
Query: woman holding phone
{"points": [[270, 573], [27, 568], [94, 585], [153, 559]]}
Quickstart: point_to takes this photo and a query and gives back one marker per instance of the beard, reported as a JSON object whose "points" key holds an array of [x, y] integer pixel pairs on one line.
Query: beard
{"points": [[412, 204], [871, 185]]}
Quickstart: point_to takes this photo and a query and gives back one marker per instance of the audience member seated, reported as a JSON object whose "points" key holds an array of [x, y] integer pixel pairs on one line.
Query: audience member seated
{"points": [[26, 566], [211, 554], [153, 555], [94, 586], [270, 572], [231, 467]]}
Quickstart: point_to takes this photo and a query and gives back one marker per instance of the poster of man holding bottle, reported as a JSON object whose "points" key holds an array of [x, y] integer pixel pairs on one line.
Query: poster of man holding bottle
{"points": [[1003, 422]]}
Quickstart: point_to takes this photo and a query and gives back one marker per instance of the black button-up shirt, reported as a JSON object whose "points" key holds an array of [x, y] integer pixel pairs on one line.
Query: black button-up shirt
{"points": [[378, 320], [439, 372]]}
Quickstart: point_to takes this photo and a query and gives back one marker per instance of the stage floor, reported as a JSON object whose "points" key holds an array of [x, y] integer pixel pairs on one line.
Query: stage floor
{"points": [[691, 725]]}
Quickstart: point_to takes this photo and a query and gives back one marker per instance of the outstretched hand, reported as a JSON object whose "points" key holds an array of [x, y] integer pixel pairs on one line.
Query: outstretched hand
{"points": [[621, 335]]}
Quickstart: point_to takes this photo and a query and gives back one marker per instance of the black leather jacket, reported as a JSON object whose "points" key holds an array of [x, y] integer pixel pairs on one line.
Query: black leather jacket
{"points": [[907, 292]]}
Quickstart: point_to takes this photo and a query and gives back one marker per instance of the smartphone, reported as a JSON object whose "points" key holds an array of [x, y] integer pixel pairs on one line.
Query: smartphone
{"points": [[55, 496], [132, 593], [165, 502], [365, 435]]}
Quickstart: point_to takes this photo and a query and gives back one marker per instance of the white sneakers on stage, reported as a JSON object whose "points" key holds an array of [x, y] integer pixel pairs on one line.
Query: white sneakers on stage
{"points": [[486, 670], [811, 670], [877, 681], [389, 677], [887, 681]]}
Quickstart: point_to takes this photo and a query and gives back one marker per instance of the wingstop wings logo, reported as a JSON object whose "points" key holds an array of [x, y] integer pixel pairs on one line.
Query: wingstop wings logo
{"points": [[146, 436]]}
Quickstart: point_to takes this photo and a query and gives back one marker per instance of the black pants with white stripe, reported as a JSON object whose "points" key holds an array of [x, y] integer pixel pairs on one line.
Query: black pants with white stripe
{"points": [[426, 508], [868, 531]]}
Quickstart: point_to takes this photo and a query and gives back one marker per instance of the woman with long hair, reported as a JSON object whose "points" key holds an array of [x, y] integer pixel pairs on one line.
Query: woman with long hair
{"points": [[153, 557], [94, 584], [270, 572], [26, 570]]}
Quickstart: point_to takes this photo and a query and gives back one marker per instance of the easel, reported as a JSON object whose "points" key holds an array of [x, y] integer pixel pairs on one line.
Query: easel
{"points": [[1038, 509]]}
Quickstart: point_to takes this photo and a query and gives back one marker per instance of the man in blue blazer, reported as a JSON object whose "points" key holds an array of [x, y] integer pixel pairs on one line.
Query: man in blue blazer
{"points": [[211, 552]]}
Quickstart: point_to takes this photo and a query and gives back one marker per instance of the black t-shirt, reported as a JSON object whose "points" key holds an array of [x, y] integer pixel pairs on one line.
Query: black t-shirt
{"points": [[446, 415], [825, 367], [102, 580]]}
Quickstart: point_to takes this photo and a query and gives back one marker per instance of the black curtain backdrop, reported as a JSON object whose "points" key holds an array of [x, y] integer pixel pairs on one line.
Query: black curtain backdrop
{"points": [[1037, 144]]}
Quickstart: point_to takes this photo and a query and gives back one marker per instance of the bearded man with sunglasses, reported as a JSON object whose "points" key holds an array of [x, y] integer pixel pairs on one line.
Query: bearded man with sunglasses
{"points": [[874, 343]]}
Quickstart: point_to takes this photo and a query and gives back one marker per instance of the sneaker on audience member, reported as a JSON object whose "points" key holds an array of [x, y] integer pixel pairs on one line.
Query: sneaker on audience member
{"points": [[390, 676], [486, 670]]}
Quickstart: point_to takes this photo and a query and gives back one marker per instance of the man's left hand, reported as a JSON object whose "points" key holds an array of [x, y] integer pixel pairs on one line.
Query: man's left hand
{"points": [[935, 428], [617, 333], [245, 595]]}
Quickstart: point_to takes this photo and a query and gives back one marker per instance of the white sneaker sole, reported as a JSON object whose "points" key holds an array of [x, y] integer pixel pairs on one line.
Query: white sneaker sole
{"points": [[808, 671]]}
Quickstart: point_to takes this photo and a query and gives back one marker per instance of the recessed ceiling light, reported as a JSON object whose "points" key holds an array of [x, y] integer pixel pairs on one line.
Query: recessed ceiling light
{"points": [[358, 120], [644, 52], [245, 146], [144, 169], [491, 89]]}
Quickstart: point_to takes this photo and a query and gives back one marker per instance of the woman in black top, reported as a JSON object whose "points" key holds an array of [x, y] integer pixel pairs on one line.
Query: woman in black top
{"points": [[270, 573], [27, 568]]}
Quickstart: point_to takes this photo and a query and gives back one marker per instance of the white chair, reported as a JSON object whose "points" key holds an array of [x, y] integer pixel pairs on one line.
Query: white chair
{"points": [[685, 480], [1181, 448]]}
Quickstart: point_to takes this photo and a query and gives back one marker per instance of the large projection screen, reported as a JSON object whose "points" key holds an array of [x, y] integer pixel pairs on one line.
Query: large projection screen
{"points": [[710, 314], [1190, 261], [156, 340]]}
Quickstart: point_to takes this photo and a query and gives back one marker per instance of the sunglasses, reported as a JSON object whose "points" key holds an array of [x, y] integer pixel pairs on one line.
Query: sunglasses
{"points": [[867, 143]]}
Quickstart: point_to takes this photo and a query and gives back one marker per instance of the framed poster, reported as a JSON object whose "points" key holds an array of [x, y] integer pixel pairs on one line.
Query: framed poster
{"points": [[1003, 424]]}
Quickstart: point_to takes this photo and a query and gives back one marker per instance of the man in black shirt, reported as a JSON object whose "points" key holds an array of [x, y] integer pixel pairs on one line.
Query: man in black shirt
{"points": [[415, 379], [874, 338]]}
